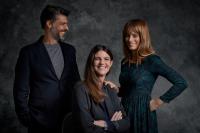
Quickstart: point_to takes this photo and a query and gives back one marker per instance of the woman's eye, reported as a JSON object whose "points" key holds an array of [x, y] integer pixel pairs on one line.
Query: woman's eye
{"points": [[107, 59], [96, 58]]}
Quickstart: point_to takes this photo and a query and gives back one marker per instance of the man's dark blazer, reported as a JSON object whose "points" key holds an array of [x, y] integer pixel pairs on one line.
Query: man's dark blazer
{"points": [[40, 97], [86, 110]]}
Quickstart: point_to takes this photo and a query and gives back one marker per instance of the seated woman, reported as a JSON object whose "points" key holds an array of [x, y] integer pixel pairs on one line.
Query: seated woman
{"points": [[96, 107]]}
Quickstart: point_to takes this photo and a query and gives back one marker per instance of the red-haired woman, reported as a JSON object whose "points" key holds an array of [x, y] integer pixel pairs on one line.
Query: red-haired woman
{"points": [[139, 71]]}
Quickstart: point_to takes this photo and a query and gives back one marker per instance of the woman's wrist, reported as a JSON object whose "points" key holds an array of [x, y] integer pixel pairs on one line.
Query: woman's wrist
{"points": [[105, 126]]}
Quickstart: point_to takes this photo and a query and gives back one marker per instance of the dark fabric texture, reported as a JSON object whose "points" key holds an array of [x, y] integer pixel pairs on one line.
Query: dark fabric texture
{"points": [[40, 97], [56, 56], [137, 83], [86, 110]]}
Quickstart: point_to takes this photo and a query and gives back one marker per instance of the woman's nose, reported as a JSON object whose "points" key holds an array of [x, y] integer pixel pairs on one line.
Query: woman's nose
{"points": [[101, 61], [130, 38]]}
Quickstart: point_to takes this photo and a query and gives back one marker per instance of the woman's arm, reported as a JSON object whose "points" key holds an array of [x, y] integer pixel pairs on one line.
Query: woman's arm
{"points": [[112, 85], [179, 84], [122, 123], [81, 110]]}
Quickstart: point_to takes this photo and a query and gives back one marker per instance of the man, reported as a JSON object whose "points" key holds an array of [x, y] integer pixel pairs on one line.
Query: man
{"points": [[45, 74]]}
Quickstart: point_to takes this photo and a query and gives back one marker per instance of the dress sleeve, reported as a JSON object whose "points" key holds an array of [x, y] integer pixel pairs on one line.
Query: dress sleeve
{"points": [[179, 84]]}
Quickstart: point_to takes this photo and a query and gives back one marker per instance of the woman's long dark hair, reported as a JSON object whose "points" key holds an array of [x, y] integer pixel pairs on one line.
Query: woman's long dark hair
{"points": [[91, 80]]}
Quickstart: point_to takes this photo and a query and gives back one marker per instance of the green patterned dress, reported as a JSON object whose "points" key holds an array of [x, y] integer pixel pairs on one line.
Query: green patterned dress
{"points": [[137, 83]]}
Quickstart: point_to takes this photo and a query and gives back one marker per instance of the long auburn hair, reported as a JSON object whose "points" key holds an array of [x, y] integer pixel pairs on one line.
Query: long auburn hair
{"points": [[145, 48], [91, 80]]}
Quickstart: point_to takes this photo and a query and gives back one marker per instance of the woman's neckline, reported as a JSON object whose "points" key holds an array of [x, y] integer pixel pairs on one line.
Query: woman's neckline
{"points": [[135, 64]]}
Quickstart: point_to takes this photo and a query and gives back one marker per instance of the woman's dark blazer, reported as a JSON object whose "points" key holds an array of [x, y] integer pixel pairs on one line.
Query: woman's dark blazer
{"points": [[85, 111]]}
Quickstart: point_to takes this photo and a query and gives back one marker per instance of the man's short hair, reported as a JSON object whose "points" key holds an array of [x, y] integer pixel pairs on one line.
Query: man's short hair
{"points": [[50, 12]]}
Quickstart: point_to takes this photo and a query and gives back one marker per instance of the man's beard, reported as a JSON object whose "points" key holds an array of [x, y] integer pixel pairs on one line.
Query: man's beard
{"points": [[57, 36], [62, 38]]}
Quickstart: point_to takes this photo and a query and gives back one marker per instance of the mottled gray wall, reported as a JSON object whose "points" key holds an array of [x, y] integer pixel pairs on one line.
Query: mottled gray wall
{"points": [[174, 28]]}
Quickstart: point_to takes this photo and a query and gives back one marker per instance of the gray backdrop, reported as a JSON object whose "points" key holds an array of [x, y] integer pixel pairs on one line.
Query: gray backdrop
{"points": [[174, 28]]}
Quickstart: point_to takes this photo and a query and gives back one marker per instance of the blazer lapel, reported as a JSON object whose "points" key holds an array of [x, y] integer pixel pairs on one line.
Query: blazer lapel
{"points": [[64, 58], [45, 57], [108, 102]]}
